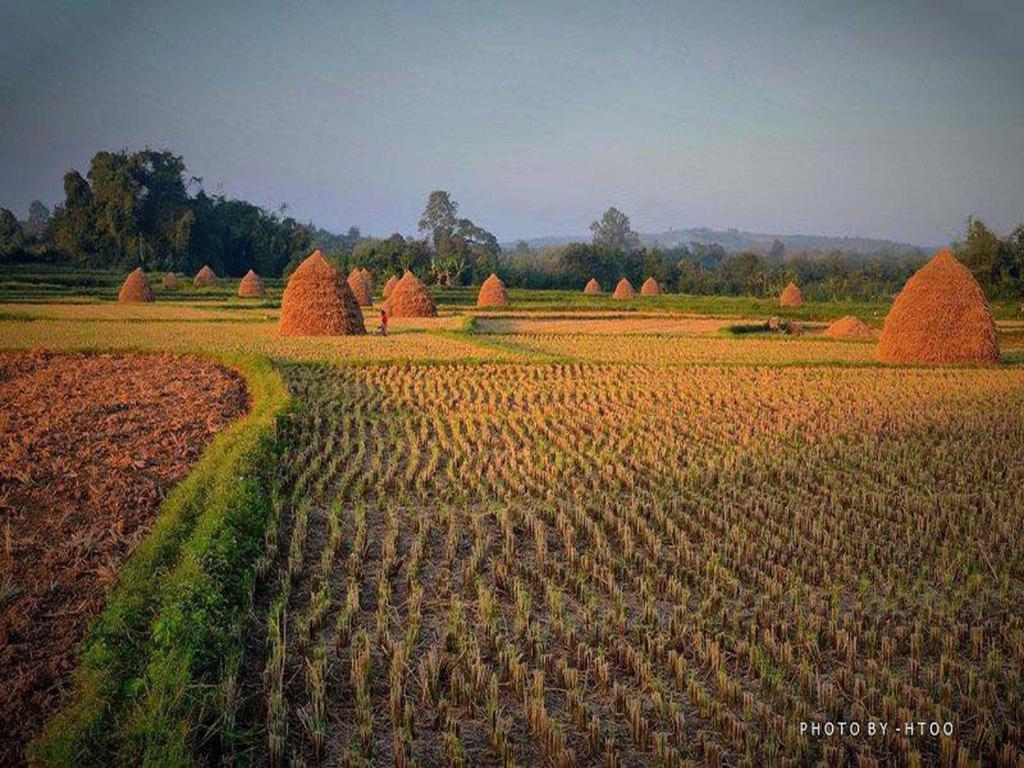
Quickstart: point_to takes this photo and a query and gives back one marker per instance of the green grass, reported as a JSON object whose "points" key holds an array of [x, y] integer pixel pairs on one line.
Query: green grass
{"points": [[155, 666]]}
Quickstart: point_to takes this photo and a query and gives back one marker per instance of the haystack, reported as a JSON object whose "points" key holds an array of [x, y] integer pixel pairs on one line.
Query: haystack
{"points": [[592, 287], [850, 327], [360, 288], [940, 316], [409, 298], [791, 297], [368, 278], [389, 286], [251, 286], [318, 302], [624, 290], [169, 281], [205, 276], [492, 293], [136, 287], [650, 287]]}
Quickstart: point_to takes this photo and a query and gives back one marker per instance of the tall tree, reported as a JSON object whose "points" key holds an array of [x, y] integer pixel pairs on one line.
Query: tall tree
{"points": [[12, 239], [38, 218], [613, 231], [439, 217]]}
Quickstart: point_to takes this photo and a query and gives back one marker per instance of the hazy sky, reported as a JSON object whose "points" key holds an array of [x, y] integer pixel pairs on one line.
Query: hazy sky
{"points": [[889, 119]]}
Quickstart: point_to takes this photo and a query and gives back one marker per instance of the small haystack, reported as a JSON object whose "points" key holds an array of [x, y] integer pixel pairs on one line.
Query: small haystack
{"points": [[850, 327], [205, 276], [389, 286], [492, 293], [650, 287], [360, 288], [940, 316], [136, 287], [169, 281], [318, 302], [368, 278], [624, 290], [592, 287], [251, 286], [409, 298], [791, 297]]}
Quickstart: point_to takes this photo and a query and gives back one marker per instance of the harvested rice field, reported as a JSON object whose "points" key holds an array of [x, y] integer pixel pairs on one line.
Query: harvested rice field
{"points": [[89, 446]]}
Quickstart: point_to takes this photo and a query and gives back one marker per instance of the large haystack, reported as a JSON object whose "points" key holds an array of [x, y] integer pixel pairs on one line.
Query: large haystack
{"points": [[205, 276], [368, 278], [624, 290], [492, 293], [650, 287], [389, 286], [251, 286], [169, 281], [592, 287], [791, 297], [318, 302], [409, 298], [940, 316], [136, 287], [360, 288], [850, 327]]}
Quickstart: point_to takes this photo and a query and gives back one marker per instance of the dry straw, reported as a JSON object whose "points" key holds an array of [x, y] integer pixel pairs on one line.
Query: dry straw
{"points": [[791, 297], [360, 288], [169, 281], [318, 302], [940, 316], [850, 327], [650, 287], [389, 286], [251, 286], [624, 290], [492, 293], [409, 298], [592, 287], [204, 277], [136, 287]]}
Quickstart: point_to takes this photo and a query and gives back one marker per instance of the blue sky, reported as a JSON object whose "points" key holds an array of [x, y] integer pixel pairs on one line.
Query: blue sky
{"points": [[879, 119]]}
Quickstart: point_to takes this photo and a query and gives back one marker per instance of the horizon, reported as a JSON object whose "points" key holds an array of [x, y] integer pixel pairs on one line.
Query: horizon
{"points": [[887, 123]]}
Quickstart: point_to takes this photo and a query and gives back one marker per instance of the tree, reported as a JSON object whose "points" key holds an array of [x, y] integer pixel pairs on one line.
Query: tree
{"points": [[613, 231], [462, 250], [439, 217], [989, 259], [12, 239], [776, 252], [38, 218]]}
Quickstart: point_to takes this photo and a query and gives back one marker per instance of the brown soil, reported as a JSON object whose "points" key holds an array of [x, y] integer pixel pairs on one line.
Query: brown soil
{"points": [[360, 288], [592, 287], [251, 286], [89, 446], [650, 287], [492, 293], [135, 288], [410, 299], [389, 286], [624, 290], [940, 316], [318, 302], [791, 297], [205, 276], [850, 327]]}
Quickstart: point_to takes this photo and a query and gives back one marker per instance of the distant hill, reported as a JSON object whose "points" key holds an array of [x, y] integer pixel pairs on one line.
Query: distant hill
{"points": [[734, 240]]}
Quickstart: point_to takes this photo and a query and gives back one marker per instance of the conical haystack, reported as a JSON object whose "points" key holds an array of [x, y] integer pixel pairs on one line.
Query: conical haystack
{"points": [[389, 286], [940, 316], [318, 302], [136, 287], [409, 298], [624, 290], [850, 327], [368, 278], [492, 293], [360, 288], [205, 276], [251, 286], [169, 281], [592, 287], [791, 297], [650, 287]]}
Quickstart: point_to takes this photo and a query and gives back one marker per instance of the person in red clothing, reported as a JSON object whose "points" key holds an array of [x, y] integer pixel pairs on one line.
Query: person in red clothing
{"points": [[383, 330]]}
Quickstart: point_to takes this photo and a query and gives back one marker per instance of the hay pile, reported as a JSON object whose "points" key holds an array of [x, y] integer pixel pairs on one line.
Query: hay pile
{"points": [[940, 316], [169, 280], [592, 287], [492, 293], [136, 287], [251, 286], [650, 287], [360, 288], [791, 297], [624, 290], [389, 286], [850, 327], [409, 298], [368, 278], [318, 302], [205, 276]]}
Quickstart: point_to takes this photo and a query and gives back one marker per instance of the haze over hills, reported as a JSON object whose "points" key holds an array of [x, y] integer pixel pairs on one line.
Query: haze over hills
{"points": [[738, 240]]}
